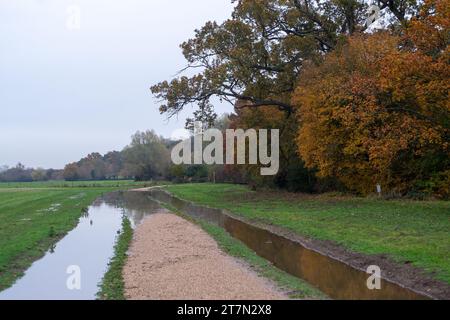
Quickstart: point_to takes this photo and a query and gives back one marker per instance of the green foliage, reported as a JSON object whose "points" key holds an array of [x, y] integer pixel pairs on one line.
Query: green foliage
{"points": [[51, 233], [257, 55], [178, 173], [147, 157], [438, 185], [197, 172], [39, 174]]}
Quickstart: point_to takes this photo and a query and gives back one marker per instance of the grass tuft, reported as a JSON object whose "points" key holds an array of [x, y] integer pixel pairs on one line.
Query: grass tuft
{"points": [[112, 286]]}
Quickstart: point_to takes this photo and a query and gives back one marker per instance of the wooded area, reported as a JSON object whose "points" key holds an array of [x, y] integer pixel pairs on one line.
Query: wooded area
{"points": [[357, 106]]}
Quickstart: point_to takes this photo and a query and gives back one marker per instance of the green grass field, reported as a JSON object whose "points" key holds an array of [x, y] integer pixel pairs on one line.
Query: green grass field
{"points": [[408, 231], [75, 184], [34, 216]]}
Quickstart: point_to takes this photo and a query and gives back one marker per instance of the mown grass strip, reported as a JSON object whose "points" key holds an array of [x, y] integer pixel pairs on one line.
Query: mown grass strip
{"points": [[112, 286]]}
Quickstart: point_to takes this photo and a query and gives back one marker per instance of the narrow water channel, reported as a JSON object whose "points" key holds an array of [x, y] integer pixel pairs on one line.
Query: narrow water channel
{"points": [[332, 276], [88, 247]]}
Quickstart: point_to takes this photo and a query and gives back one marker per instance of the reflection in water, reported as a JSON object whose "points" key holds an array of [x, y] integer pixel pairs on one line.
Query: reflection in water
{"points": [[333, 277], [89, 246], [135, 205], [85, 213]]}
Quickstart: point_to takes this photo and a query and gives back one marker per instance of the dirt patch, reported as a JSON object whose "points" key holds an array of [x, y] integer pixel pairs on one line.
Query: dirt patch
{"points": [[173, 259]]}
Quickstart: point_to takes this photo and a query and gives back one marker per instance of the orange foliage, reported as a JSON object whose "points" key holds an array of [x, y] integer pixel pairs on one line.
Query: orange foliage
{"points": [[430, 31], [371, 113]]}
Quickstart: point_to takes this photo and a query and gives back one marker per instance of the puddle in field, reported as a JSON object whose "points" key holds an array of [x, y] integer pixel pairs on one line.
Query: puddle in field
{"points": [[333, 277], [89, 246]]}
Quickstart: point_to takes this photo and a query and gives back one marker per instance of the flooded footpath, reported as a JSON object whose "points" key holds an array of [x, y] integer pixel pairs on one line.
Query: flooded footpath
{"points": [[73, 268], [169, 253]]}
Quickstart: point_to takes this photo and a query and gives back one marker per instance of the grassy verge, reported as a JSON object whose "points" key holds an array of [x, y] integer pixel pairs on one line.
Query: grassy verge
{"points": [[295, 287], [112, 286], [408, 231], [35, 216]]}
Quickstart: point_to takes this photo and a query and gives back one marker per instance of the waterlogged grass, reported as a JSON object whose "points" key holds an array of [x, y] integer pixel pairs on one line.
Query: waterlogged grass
{"points": [[293, 286], [35, 216], [407, 231], [31, 221], [112, 286]]}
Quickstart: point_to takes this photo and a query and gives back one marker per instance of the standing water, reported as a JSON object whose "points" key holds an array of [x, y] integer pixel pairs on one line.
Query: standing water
{"points": [[73, 268]]}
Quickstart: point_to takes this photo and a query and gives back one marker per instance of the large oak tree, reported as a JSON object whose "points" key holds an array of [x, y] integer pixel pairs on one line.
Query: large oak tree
{"points": [[257, 55]]}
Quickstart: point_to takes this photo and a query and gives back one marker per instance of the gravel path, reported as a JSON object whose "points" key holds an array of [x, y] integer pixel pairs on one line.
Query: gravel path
{"points": [[173, 259]]}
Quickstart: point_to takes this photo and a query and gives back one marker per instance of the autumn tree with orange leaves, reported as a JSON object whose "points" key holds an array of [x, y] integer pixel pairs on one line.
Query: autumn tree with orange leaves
{"points": [[376, 110]]}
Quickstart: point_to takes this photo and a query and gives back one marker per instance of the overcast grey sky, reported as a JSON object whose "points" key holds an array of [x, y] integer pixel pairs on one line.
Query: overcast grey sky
{"points": [[65, 93]]}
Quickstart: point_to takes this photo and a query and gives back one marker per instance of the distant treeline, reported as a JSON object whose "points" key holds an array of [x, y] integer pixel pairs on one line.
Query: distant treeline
{"points": [[360, 108], [20, 173], [146, 158]]}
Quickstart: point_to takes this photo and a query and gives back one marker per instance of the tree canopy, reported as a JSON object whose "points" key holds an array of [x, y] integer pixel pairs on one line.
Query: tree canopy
{"points": [[257, 55], [356, 105], [376, 110]]}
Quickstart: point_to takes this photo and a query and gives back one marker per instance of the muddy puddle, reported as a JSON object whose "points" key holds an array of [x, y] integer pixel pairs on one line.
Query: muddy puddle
{"points": [[74, 267], [335, 278]]}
